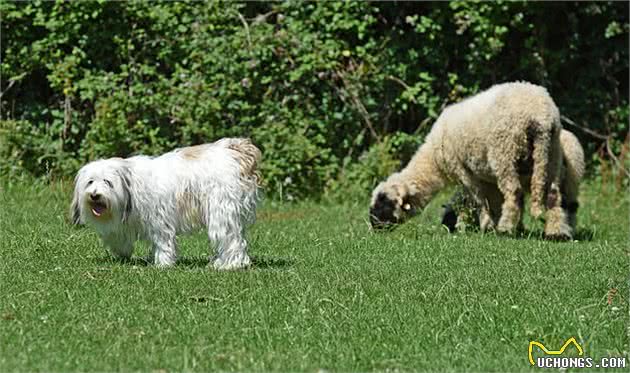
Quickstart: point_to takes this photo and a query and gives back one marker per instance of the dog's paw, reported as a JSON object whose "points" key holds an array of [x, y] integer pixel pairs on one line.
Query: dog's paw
{"points": [[234, 263], [164, 259]]}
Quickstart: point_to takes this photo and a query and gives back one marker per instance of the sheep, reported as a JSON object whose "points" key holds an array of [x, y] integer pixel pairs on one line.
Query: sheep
{"points": [[461, 211], [495, 140]]}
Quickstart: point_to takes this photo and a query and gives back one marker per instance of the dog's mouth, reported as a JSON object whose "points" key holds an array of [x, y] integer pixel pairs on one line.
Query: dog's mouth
{"points": [[98, 208]]}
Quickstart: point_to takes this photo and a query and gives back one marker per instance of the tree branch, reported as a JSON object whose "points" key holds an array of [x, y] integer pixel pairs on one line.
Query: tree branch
{"points": [[11, 84], [584, 129], [244, 22], [360, 107]]}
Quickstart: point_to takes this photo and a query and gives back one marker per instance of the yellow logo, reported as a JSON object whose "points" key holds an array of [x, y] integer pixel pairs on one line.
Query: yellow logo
{"points": [[559, 352]]}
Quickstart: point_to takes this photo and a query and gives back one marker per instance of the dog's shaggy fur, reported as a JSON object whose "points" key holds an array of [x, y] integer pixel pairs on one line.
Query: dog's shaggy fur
{"points": [[461, 210], [155, 198], [499, 139]]}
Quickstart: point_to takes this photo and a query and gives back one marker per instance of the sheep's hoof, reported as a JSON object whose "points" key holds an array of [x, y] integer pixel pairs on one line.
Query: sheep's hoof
{"points": [[506, 233], [486, 224], [505, 227], [559, 233], [558, 237]]}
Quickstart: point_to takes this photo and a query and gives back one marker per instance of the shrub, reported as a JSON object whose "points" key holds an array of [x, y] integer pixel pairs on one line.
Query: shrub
{"points": [[326, 89]]}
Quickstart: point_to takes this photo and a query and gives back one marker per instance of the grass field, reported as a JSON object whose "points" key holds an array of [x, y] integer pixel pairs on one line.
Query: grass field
{"points": [[325, 293]]}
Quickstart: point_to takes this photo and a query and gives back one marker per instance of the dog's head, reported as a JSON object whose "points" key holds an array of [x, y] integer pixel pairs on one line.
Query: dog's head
{"points": [[102, 193], [391, 205]]}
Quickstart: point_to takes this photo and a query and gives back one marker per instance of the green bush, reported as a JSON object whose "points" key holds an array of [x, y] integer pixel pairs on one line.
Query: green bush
{"points": [[326, 89], [357, 178]]}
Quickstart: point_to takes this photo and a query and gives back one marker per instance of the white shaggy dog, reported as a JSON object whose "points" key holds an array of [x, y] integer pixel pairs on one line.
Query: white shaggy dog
{"points": [[155, 198]]}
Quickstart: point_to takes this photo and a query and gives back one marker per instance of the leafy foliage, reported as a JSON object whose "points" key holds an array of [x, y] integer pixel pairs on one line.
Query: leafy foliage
{"points": [[322, 87]]}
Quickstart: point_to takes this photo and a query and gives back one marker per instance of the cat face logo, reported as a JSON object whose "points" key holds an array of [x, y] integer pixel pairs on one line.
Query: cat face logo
{"points": [[558, 352]]}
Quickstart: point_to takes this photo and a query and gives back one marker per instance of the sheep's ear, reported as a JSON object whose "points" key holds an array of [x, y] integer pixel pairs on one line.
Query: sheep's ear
{"points": [[125, 178]]}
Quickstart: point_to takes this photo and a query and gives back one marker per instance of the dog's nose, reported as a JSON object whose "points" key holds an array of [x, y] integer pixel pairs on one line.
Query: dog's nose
{"points": [[95, 196]]}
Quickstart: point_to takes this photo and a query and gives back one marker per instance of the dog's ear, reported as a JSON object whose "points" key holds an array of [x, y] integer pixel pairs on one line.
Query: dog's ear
{"points": [[125, 179], [75, 212]]}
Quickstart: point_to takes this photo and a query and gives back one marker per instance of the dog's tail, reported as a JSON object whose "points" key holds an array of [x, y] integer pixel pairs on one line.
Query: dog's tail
{"points": [[248, 156]]}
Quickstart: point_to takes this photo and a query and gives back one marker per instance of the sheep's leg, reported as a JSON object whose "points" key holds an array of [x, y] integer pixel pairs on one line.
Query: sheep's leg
{"points": [[478, 194], [494, 199], [510, 186], [543, 143], [486, 223], [570, 191], [556, 222]]}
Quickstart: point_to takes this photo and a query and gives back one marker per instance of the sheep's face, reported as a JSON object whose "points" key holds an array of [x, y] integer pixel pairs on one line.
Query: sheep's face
{"points": [[388, 207], [384, 212]]}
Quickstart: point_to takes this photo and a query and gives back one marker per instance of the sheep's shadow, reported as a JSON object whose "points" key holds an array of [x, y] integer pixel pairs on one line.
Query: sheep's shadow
{"points": [[258, 262], [581, 234], [584, 234], [534, 233]]}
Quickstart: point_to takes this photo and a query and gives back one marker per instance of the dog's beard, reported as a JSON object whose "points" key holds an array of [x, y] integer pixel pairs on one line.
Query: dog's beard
{"points": [[98, 208]]}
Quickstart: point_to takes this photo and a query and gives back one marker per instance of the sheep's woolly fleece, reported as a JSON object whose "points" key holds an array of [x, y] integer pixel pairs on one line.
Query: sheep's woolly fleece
{"points": [[498, 139], [461, 211], [155, 198]]}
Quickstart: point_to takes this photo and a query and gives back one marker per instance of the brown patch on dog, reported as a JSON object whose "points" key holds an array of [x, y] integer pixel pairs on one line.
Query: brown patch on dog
{"points": [[188, 206], [193, 152], [248, 156]]}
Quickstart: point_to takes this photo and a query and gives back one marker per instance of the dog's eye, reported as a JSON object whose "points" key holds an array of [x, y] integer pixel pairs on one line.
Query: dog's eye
{"points": [[109, 183], [90, 182]]}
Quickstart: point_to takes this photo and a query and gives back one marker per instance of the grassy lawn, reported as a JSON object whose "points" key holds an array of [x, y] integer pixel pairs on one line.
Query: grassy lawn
{"points": [[325, 293]]}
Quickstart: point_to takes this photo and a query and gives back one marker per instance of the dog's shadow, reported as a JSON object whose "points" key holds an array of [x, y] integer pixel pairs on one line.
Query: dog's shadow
{"points": [[258, 262]]}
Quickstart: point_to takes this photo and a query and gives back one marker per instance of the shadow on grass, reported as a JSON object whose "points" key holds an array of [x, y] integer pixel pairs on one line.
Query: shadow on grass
{"points": [[584, 234], [581, 234], [258, 262], [410, 231], [271, 262]]}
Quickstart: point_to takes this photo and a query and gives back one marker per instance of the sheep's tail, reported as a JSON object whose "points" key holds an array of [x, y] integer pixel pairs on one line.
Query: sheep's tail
{"points": [[547, 163]]}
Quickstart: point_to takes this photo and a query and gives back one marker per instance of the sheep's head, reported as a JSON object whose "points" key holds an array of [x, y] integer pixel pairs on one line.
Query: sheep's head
{"points": [[390, 205]]}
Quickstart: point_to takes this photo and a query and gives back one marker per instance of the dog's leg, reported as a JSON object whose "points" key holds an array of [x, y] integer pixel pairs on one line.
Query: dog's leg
{"points": [[120, 247], [164, 248], [226, 230], [231, 253]]}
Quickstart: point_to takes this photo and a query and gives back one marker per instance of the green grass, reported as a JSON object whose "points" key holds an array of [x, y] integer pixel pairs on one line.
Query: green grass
{"points": [[325, 293]]}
